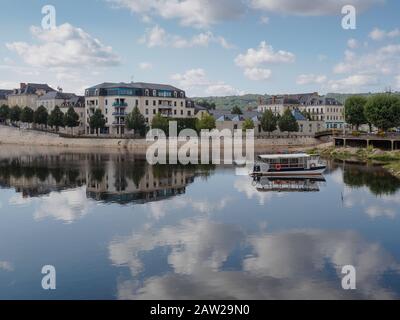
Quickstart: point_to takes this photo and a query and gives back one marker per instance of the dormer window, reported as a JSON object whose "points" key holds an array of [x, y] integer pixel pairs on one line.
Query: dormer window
{"points": [[146, 92], [154, 93], [175, 94], [182, 95]]}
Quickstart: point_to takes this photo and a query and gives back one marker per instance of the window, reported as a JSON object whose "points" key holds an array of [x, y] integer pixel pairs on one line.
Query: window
{"points": [[147, 111], [106, 102], [181, 112], [175, 104], [181, 104], [175, 94], [174, 112], [189, 113], [154, 103], [147, 102], [154, 93], [146, 92], [154, 111]]}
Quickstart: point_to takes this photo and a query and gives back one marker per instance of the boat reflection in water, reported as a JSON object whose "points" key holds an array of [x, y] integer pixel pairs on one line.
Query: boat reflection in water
{"points": [[289, 184]]}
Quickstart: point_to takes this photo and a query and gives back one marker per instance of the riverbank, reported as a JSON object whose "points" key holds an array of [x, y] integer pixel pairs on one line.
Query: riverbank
{"points": [[390, 160], [21, 137]]}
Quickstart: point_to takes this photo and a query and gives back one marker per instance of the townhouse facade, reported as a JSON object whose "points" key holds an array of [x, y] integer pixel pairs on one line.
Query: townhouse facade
{"points": [[226, 120], [4, 97], [64, 101], [117, 100], [319, 108], [27, 95]]}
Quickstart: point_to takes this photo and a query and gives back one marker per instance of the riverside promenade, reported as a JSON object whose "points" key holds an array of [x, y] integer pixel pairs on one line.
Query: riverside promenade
{"points": [[388, 142]]}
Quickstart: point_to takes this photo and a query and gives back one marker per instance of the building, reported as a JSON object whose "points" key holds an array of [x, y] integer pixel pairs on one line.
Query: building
{"points": [[117, 100], [226, 120], [320, 108], [27, 95], [3, 96], [64, 101]]}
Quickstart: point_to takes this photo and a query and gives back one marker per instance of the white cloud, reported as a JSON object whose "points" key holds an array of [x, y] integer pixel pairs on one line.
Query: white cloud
{"points": [[158, 37], [66, 206], [264, 54], [379, 34], [6, 266], [196, 13], [264, 20], [311, 8], [305, 79], [145, 66], [257, 74], [64, 46], [353, 83], [196, 81], [352, 43], [284, 265]]}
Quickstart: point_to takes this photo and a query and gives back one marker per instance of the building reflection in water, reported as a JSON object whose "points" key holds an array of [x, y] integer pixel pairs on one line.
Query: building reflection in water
{"points": [[117, 178]]}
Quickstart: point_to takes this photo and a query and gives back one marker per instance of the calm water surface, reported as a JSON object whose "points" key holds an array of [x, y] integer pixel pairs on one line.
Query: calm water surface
{"points": [[116, 228]]}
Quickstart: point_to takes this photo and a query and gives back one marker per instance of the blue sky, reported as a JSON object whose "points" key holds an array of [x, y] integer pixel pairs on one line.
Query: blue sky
{"points": [[221, 47]]}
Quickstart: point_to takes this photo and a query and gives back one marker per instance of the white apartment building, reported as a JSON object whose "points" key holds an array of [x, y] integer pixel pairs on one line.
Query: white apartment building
{"points": [[117, 100]]}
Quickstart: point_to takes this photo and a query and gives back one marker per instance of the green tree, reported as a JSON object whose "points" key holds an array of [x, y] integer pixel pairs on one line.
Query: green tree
{"points": [[56, 118], [355, 111], [161, 123], [207, 122], [248, 124], [27, 115], [288, 123], [97, 121], [40, 116], [136, 121], [236, 110], [383, 111], [268, 122], [71, 119], [4, 112], [15, 114]]}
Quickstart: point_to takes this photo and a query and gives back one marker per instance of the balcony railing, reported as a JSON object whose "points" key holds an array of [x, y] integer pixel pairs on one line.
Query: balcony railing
{"points": [[120, 104], [117, 124], [120, 114]]}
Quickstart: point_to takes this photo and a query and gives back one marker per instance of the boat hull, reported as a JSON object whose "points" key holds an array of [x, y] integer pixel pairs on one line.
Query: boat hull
{"points": [[296, 172]]}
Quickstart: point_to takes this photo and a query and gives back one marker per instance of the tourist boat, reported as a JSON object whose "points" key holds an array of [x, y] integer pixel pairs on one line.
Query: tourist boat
{"points": [[288, 165], [289, 183]]}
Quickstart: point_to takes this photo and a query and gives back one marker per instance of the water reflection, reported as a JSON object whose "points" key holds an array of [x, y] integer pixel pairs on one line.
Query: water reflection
{"points": [[197, 232]]}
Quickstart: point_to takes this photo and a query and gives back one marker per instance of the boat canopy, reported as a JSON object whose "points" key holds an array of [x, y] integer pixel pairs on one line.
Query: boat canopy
{"points": [[284, 156]]}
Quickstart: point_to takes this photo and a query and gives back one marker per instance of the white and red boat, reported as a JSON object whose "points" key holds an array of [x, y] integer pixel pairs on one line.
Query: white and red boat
{"points": [[289, 165]]}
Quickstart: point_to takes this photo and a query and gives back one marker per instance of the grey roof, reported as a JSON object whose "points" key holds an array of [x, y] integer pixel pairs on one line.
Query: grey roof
{"points": [[137, 85], [4, 94], [224, 115], [298, 115], [57, 95], [31, 88]]}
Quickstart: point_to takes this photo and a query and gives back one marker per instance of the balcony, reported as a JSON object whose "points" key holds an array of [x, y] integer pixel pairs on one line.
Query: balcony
{"points": [[120, 104], [119, 114], [118, 124]]}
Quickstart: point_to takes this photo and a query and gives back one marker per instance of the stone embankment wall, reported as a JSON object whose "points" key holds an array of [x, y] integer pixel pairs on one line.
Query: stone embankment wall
{"points": [[15, 136]]}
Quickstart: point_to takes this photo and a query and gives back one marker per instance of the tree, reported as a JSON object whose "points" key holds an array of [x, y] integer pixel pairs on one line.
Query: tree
{"points": [[268, 122], [26, 115], [4, 112], [71, 119], [15, 114], [288, 123], [97, 121], [248, 124], [136, 121], [207, 122], [161, 123], [56, 118], [236, 110], [355, 111], [40, 116], [383, 111]]}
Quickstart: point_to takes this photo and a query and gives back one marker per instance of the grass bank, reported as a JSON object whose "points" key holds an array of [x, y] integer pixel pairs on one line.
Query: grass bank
{"points": [[388, 159]]}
